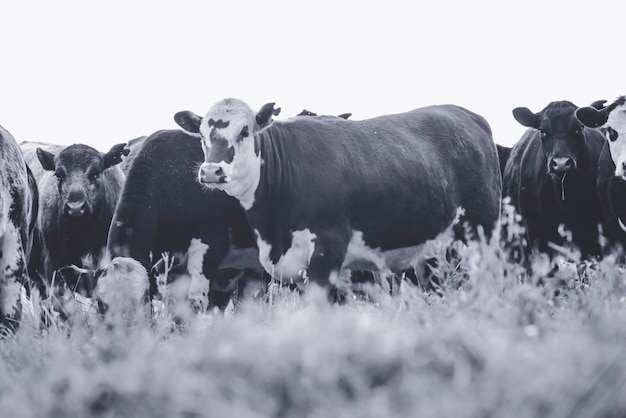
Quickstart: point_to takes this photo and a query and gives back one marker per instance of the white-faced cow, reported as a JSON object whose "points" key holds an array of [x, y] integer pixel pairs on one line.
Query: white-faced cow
{"points": [[163, 207], [611, 175], [78, 190], [550, 178], [18, 212], [324, 194]]}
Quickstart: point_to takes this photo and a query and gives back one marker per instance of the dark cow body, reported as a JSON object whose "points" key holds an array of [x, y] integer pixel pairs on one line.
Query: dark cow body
{"points": [[550, 179], [162, 207], [611, 181], [78, 190], [18, 212], [327, 194]]}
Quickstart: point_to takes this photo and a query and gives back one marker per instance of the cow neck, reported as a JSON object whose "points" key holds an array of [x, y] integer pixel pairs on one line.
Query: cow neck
{"points": [[277, 154], [275, 175]]}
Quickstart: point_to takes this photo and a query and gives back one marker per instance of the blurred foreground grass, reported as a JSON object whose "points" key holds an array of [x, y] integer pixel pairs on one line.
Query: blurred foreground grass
{"points": [[491, 346]]}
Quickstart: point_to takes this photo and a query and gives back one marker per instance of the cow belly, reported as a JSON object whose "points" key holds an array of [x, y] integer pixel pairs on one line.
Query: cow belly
{"points": [[361, 256], [294, 263]]}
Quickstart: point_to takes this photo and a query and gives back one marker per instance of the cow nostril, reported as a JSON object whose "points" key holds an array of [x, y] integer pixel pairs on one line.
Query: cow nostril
{"points": [[219, 171], [561, 164]]}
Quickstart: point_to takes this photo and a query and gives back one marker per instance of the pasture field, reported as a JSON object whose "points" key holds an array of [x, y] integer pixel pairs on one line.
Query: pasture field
{"points": [[491, 345]]}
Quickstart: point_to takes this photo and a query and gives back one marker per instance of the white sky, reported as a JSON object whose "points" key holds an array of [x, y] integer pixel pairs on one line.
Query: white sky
{"points": [[105, 72]]}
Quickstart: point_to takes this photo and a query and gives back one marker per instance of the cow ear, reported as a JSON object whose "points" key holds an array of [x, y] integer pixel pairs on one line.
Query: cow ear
{"points": [[114, 156], [46, 159], [598, 104], [264, 115], [590, 117], [189, 121], [527, 118], [345, 115]]}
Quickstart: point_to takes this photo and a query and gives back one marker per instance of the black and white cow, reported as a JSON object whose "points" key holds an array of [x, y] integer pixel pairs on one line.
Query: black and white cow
{"points": [[79, 187], [163, 207], [550, 178], [611, 175], [18, 212], [324, 195]]}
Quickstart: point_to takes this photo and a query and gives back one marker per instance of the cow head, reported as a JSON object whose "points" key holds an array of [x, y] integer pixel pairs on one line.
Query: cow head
{"points": [[229, 141], [78, 169], [611, 120], [562, 135]]}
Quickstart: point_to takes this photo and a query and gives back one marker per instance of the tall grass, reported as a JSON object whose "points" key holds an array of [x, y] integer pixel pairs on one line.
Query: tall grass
{"points": [[495, 343]]}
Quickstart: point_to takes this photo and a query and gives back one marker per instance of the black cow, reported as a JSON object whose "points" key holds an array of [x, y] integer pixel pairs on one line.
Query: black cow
{"points": [[18, 213], [324, 195], [611, 175], [78, 190], [550, 179], [162, 208]]}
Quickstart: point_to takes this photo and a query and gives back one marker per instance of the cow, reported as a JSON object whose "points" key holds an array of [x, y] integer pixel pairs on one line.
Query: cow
{"points": [[78, 190], [18, 214], [326, 195], [162, 208], [550, 180], [611, 174]]}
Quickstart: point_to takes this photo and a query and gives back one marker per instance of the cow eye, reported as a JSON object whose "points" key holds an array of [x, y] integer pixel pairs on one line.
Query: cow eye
{"points": [[611, 134], [580, 129], [543, 133], [60, 175], [244, 132], [95, 176]]}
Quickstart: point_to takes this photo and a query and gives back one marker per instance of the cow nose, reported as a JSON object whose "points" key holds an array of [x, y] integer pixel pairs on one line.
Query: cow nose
{"points": [[212, 173], [77, 208], [561, 164]]}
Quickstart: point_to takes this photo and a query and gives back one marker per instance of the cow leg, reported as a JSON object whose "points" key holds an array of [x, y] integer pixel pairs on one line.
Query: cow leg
{"points": [[13, 274], [325, 265]]}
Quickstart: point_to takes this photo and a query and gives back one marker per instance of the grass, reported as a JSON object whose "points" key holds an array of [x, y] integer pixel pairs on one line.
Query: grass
{"points": [[492, 345]]}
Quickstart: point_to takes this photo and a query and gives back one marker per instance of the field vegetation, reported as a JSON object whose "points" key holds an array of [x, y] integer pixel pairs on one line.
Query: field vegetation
{"points": [[493, 342]]}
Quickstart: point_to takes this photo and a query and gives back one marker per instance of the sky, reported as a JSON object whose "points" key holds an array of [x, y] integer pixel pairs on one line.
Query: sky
{"points": [[102, 73]]}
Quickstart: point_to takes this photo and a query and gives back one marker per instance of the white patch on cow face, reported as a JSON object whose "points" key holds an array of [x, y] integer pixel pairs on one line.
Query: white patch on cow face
{"points": [[233, 121], [292, 265], [198, 293], [617, 122]]}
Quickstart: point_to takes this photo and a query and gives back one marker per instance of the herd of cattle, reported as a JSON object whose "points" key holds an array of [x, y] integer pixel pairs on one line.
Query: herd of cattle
{"points": [[308, 198]]}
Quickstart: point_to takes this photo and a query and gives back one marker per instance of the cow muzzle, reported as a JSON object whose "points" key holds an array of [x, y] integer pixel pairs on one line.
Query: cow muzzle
{"points": [[211, 173], [561, 165], [76, 209]]}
